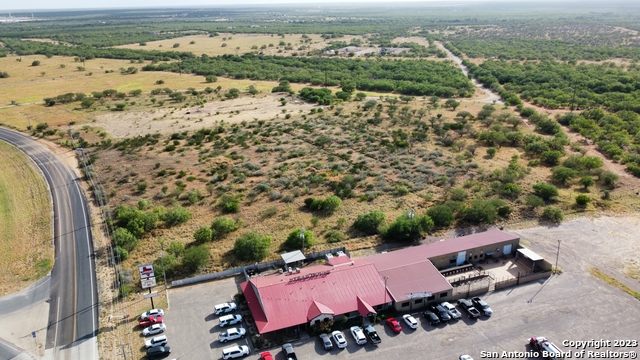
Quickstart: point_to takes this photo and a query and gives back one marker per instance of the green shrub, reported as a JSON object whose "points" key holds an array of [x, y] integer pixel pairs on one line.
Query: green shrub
{"points": [[331, 203], [533, 201], [176, 248], [203, 235], [334, 236], [458, 194], [120, 254], [442, 215], [404, 229], [551, 157], [563, 174], [491, 152], [545, 191], [608, 179], [252, 246], [552, 213], [176, 216], [370, 223], [222, 226], [582, 200], [587, 181], [295, 242], [195, 257], [167, 265], [125, 239], [229, 204]]}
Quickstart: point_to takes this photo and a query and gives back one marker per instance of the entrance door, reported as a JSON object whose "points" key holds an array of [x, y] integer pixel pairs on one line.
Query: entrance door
{"points": [[462, 256], [507, 249]]}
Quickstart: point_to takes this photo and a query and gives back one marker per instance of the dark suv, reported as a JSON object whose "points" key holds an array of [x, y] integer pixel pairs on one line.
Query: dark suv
{"points": [[433, 318], [158, 352], [442, 313]]}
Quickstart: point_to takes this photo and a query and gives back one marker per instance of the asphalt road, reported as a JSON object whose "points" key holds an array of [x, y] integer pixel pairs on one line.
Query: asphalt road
{"points": [[73, 312]]}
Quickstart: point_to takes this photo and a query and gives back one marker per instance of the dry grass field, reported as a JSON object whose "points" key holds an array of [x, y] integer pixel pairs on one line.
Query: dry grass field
{"points": [[237, 44], [26, 245]]}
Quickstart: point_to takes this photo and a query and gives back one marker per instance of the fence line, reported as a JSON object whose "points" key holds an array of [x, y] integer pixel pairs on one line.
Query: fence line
{"points": [[251, 269]]}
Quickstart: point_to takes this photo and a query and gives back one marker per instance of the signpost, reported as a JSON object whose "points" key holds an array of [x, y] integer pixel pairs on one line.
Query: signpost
{"points": [[147, 283], [148, 279], [146, 271]]}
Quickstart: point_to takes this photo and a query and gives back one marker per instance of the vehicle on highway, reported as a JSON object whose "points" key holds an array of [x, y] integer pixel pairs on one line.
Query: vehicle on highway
{"points": [[156, 341], [432, 317], [465, 357], [158, 352], [229, 320], [394, 325], [326, 341], [358, 335], [234, 352], [152, 312], [410, 320], [154, 329], [482, 306], [442, 313], [339, 339], [372, 335], [468, 307], [289, 354], [453, 312], [266, 356], [232, 334], [151, 321], [225, 308]]}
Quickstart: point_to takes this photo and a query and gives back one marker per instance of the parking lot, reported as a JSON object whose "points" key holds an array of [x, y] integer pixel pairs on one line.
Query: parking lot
{"points": [[571, 306]]}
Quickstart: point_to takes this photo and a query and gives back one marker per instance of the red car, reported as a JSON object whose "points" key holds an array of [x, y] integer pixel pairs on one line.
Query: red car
{"points": [[393, 324], [266, 356], [151, 321]]}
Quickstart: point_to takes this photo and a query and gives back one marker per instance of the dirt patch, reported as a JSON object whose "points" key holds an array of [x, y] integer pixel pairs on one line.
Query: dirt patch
{"points": [[414, 39], [121, 125], [26, 243]]}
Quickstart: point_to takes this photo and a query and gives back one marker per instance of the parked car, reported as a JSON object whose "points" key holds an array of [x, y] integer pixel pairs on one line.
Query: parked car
{"points": [[229, 320], [326, 342], [235, 352], [358, 335], [453, 312], [266, 356], [410, 320], [152, 312], [154, 329], [372, 335], [468, 307], [339, 339], [156, 341], [224, 308], [232, 334], [158, 352], [151, 321], [432, 317], [465, 357], [394, 325], [482, 306], [289, 354], [442, 313]]}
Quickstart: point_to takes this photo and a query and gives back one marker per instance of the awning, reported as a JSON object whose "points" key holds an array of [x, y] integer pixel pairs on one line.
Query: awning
{"points": [[364, 308], [529, 254], [318, 308], [293, 256]]}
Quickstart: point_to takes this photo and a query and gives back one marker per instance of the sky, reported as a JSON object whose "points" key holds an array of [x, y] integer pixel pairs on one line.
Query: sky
{"points": [[6, 5]]}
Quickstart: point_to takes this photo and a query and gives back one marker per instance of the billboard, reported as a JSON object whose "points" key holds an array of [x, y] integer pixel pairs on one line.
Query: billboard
{"points": [[149, 282], [146, 271]]}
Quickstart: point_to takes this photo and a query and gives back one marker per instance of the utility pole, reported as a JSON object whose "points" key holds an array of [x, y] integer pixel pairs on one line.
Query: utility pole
{"points": [[557, 255], [302, 238]]}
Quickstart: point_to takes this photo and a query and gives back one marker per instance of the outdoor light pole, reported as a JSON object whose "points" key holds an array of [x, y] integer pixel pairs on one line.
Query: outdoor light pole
{"points": [[558, 255], [385, 288], [411, 215], [302, 238]]}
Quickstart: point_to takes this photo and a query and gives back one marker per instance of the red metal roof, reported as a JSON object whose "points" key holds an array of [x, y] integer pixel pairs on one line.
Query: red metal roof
{"points": [[364, 308], [287, 303], [420, 277], [316, 309], [420, 253]]}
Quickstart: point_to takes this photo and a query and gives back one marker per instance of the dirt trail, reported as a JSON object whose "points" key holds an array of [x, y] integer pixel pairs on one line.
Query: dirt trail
{"points": [[491, 95]]}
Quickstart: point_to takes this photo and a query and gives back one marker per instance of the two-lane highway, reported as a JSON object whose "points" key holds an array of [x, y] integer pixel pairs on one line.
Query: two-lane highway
{"points": [[73, 312]]}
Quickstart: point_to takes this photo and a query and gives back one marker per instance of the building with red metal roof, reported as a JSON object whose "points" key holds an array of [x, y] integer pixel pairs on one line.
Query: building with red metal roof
{"points": [[316, 293], [409, 278]]}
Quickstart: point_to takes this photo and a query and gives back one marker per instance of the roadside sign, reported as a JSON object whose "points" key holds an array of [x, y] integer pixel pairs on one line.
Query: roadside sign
{"points": [[150, 295], [33, 333], [146, 271], [149, 282]]}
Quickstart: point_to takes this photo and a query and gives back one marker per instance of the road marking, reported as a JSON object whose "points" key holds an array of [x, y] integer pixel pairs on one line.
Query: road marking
{"points": [[55, 338]]}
